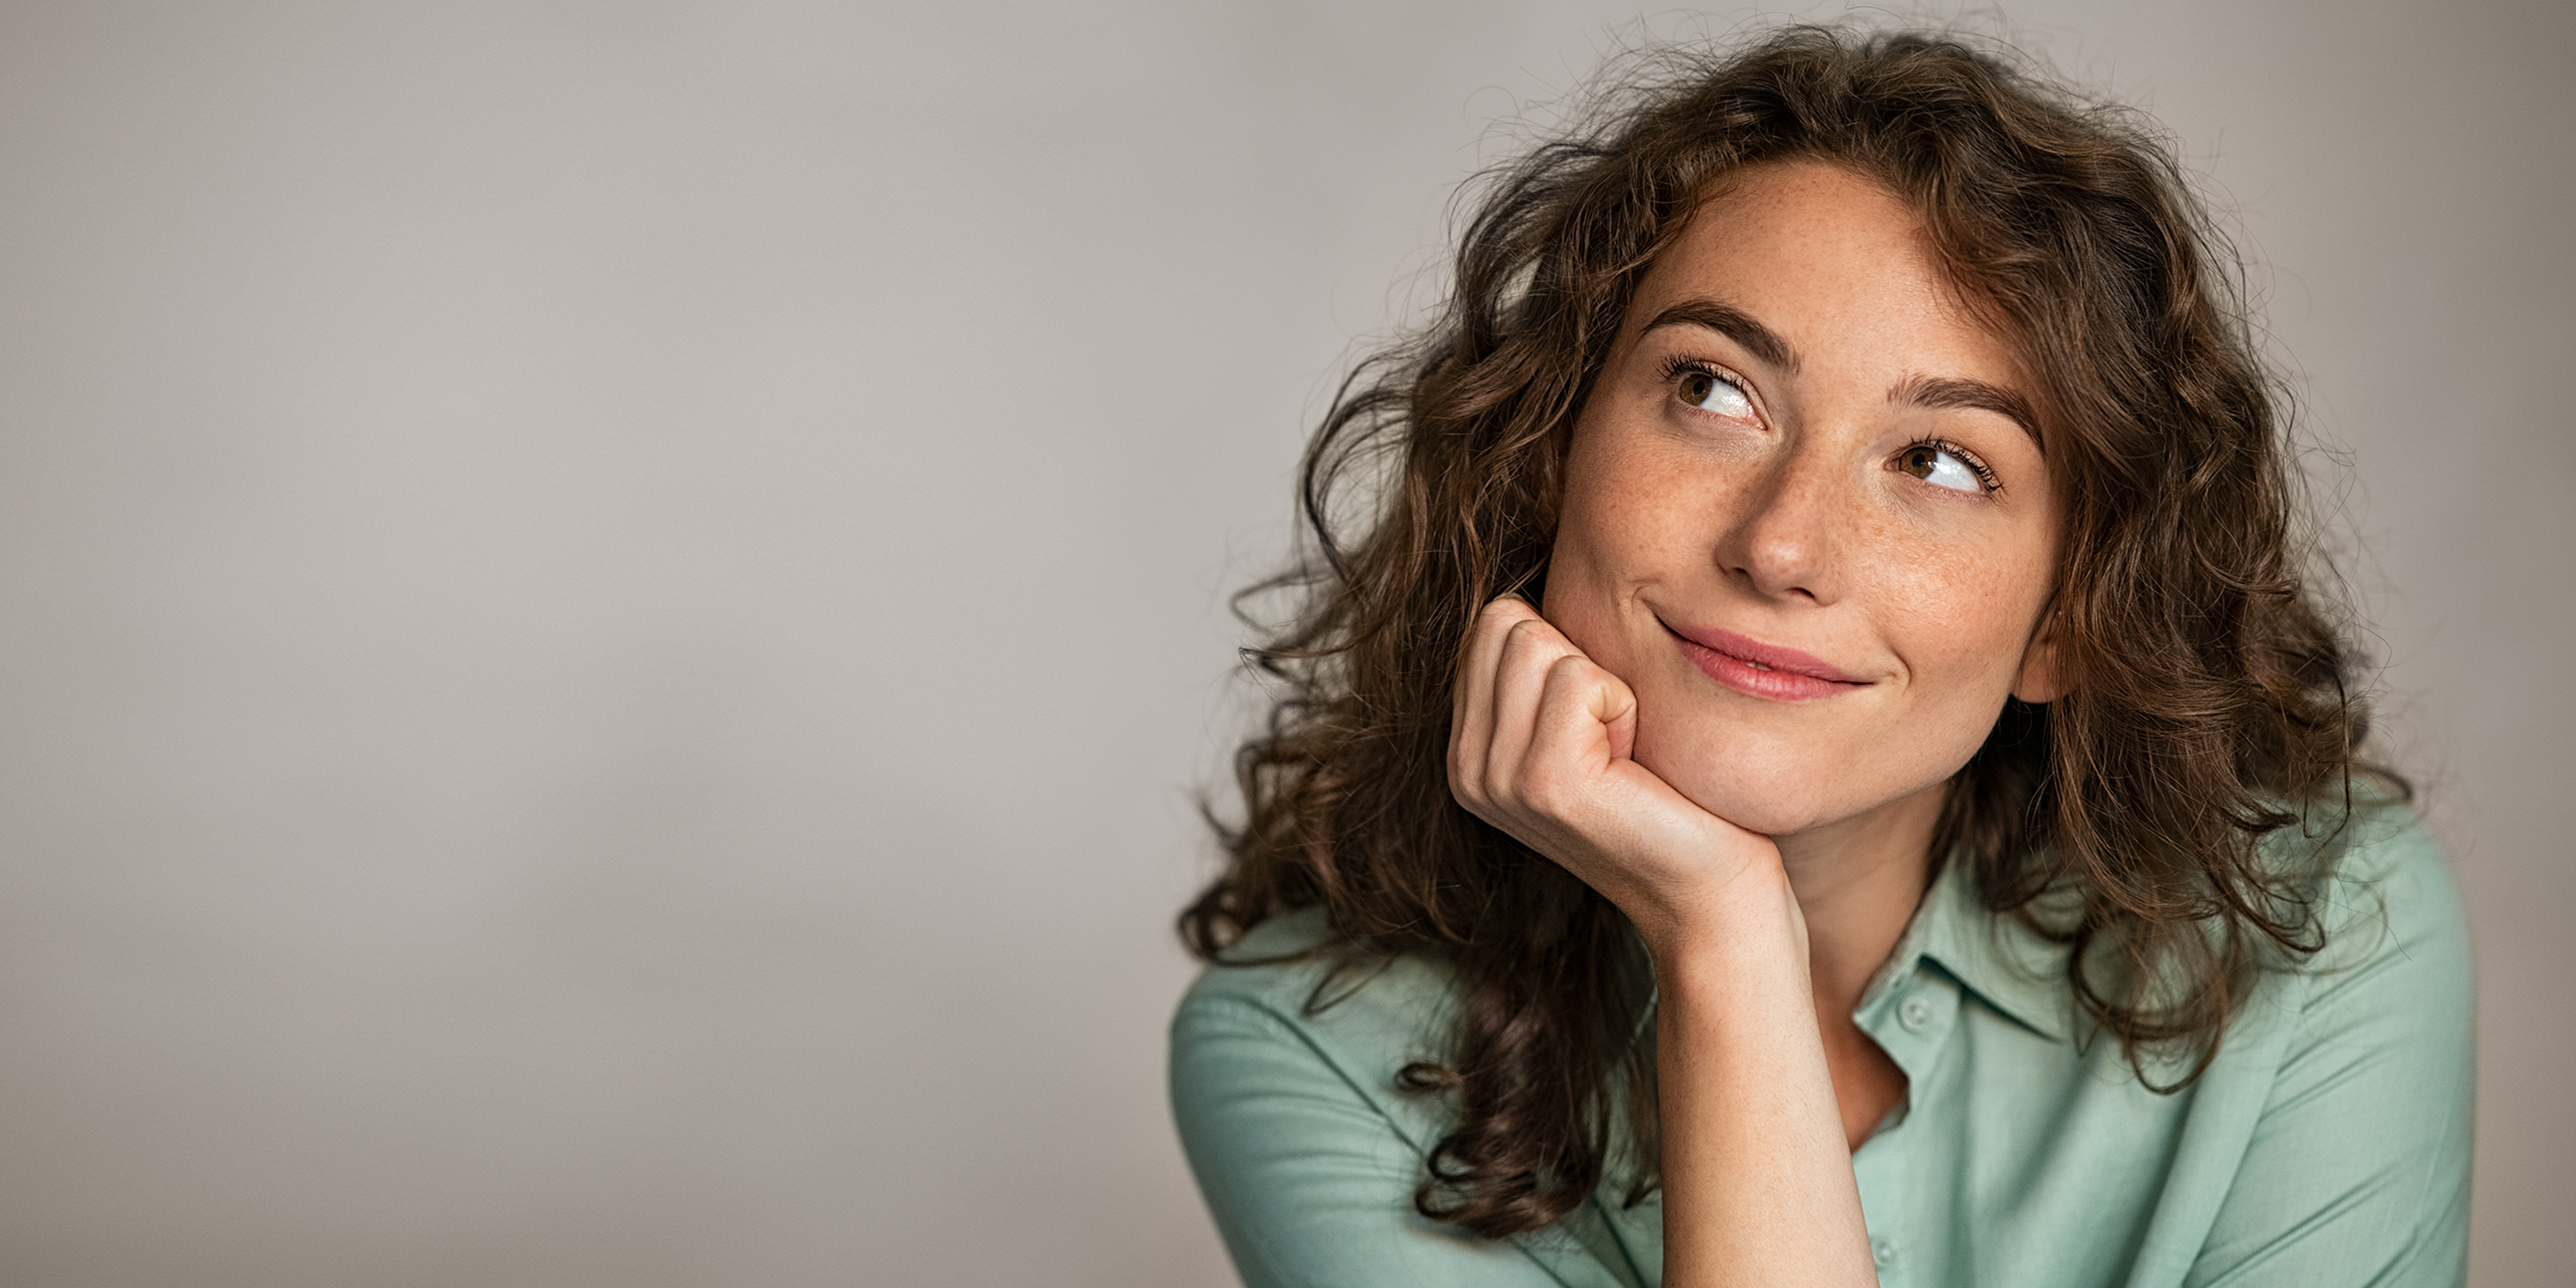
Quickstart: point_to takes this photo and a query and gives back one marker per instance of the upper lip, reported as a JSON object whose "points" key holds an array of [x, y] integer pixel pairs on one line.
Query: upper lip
{"points": [[1745, 648]]}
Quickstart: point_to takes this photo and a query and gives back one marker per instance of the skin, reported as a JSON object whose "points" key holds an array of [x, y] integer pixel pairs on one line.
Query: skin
{"points": [[1784, 444]]}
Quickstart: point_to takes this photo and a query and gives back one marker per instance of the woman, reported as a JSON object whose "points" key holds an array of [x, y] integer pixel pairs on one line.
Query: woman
{"points": [[1820, 767]]}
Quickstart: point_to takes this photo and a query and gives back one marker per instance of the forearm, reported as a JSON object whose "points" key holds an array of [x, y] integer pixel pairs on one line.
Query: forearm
{"points": [[1758, 1185]]}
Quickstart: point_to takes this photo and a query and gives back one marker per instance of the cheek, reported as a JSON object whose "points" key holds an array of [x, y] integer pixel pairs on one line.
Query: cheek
{"points": [[1961, 617], [1615, 530]]}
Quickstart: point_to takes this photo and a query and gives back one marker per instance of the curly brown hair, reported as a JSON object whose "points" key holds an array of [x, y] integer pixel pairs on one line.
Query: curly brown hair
{"points": [[2209, 706]]}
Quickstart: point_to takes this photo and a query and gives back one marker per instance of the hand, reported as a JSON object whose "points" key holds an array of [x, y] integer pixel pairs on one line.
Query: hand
{"points": [[1539, 746]]}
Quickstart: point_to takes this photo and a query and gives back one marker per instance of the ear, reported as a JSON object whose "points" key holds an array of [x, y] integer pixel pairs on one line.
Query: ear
{"points": [[2042, 677]]}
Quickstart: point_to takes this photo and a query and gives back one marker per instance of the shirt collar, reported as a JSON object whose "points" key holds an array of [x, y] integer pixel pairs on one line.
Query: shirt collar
{"points": [[1996, 957]]}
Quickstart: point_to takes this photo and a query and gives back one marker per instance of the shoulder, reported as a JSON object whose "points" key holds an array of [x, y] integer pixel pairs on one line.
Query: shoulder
{"points": [[2380, 1021], [1288, 993], [2360, 1064], [2387, 909], [1284, 1087]]}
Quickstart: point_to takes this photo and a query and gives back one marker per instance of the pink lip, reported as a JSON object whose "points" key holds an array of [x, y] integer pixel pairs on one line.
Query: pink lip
{"points": [[1748, 665]]}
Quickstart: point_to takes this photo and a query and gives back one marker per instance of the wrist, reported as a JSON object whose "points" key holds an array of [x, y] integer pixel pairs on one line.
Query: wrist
{"points": [[1750, 921]]}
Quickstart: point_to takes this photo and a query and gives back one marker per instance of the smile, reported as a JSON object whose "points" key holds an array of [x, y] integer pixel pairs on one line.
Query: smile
{"points": [[1760, 670]]}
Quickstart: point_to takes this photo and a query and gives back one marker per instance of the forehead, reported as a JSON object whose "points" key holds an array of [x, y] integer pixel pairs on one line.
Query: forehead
{"points": [[1836, 265]]}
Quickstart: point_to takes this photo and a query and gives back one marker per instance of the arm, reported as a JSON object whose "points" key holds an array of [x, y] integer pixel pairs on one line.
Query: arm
{"points": [[2358, 1170], [1758, 1185], [1310, 1182]]}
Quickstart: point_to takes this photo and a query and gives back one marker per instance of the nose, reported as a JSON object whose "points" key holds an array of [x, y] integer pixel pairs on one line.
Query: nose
{"points": [[1784, 542]]}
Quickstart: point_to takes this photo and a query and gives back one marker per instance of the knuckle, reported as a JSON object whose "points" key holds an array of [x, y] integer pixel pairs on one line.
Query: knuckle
{"points": [[1527, 635], [1538, 786]]}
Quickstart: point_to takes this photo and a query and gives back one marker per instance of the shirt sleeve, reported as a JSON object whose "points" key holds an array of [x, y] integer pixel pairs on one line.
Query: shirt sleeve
{"points": [[1310, 1182], [2358, 1170]]}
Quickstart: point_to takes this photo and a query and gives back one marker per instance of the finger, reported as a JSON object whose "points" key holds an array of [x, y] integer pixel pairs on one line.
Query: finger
{"points": [[1569, 778], [1578, 776], [1472, 690], [1585, 714], [1520, 678]]}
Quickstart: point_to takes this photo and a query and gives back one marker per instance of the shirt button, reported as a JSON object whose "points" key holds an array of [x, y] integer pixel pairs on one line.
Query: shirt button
{"points": [[1915, 1013], [1882, 1251]]}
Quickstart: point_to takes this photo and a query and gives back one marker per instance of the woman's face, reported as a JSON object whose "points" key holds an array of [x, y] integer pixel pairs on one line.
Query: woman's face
{"points": [[1805, 513]]}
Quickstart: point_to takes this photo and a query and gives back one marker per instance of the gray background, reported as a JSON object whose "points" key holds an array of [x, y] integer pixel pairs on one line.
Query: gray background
{"points": [[611, 610]]}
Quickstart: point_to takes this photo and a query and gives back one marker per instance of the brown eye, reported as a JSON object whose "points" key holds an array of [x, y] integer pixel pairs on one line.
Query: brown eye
{"points": [[1942, 467], [1709, 393]]}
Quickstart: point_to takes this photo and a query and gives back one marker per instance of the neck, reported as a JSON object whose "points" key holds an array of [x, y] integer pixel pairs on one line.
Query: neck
{"points": [[1857, 882]]}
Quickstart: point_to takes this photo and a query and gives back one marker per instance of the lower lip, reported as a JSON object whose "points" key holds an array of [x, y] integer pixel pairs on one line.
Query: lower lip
{"points": [[1744, 677]]}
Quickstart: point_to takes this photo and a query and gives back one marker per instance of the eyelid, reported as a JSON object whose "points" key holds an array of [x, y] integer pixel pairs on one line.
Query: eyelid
{"points": [[1682, 364], [1976, 464]]}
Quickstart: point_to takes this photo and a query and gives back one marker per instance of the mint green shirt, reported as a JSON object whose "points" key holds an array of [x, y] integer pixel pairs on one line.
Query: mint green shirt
{"points": [[2327, 1145]]}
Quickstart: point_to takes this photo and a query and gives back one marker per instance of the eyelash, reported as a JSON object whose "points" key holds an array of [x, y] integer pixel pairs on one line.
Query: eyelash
{"points": [[1985, 475], [1680, 365]]}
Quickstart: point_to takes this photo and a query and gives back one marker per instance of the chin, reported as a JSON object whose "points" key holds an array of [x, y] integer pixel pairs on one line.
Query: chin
{"points": [[1773, 799], [1784, 786], [1773, 809]]}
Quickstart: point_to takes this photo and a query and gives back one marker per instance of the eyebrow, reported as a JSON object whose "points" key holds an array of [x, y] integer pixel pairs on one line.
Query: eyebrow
{"points": [[1733, 323], [1920, 391], [1973, 395]]}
